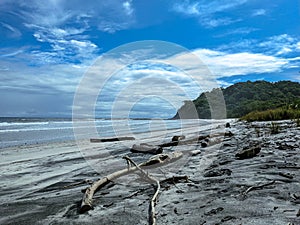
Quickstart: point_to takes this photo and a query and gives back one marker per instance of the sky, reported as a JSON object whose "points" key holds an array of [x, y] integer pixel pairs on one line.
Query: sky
{"points": [[138, 58]]}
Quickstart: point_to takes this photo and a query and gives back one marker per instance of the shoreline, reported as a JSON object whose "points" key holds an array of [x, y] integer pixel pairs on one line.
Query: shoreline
{"points": [[16, 133], [41, 184]]}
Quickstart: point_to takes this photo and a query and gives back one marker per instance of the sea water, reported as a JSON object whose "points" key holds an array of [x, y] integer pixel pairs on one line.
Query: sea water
{"points": [[28, 131]]}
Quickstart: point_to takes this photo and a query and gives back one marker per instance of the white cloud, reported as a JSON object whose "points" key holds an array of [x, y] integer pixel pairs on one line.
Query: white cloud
{"points": [[283, 45], [294, 59], [83, 44], [64, 46], [90, 13], [13, 31], [259, 12], [208, 13], [176, 80], [284, 50], [127, 86], [223, 64], [242, 30], [67, 26], [128, 7], [282, 39], [11, 52], [191, 9], [211, 23], [37, 91], [129, 75], [206, 8], [46, 14], [41, 79], [111, 26], [174, 77]]}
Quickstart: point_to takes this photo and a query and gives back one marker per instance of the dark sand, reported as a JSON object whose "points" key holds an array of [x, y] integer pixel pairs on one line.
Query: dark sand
{"points": [[41, 184]]}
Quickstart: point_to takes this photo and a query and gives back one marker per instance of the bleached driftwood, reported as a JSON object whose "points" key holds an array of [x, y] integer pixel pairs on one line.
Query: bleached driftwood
{"points": [[258, 187], [152, 218], [157, 160]]}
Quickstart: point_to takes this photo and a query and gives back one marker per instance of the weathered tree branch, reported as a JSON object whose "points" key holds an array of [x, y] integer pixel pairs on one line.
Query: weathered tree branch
{"points": [[258, 187], [157, 160], [152, 218]]}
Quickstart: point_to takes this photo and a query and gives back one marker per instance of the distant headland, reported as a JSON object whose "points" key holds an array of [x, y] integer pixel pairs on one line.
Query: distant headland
{"points": [[282, 98]]}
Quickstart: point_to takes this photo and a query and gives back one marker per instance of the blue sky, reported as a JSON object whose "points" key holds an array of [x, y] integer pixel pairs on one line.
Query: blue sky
{"points": [[47, 47]]}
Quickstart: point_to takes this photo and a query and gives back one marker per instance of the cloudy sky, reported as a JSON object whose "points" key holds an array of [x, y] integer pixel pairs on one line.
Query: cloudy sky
{"points": [[98, 51]]}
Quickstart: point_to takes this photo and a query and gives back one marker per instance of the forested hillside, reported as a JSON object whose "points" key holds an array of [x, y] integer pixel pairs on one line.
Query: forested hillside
{"points": [[245, 97]]}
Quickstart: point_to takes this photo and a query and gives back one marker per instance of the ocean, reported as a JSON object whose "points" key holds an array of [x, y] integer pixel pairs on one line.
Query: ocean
{"points": [[28, 131]]}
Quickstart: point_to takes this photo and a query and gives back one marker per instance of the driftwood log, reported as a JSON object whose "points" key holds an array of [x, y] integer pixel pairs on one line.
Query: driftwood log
{"points": [[112, 139], [146, 148], [195, 140], [178, 137], [169, 144], [157, 160], [248, 153], [152, 217], [204, 141], [258, 187], [180, 140]]}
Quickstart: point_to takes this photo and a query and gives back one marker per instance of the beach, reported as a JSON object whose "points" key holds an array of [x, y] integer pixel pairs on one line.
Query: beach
{"points": [[43, 182]]}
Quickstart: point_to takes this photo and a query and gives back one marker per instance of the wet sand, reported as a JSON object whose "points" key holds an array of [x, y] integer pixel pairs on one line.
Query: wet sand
{"points": [[42, 184]]}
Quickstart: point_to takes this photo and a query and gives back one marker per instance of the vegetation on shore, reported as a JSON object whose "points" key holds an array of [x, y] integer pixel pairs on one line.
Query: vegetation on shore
{"points": [[283, 113], [259, 100]]}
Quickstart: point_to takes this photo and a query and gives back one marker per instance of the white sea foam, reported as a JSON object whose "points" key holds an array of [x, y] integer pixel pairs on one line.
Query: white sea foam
{"points": [[28, 132]]}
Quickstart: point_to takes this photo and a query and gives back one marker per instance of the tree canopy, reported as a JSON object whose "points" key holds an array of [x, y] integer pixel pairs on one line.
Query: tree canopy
{"points": [[245, 97]]}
